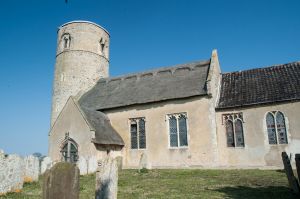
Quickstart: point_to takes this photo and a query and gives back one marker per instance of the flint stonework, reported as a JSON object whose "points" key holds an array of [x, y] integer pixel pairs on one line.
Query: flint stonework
{"points": [[61, 182], [107, 179], [289, 173]]}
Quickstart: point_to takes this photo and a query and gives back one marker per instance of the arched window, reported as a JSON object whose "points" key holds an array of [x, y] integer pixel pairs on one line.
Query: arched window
{"points": [[229, 133], [102, 46], [66, 41], [234, 129], [239, 134], [271, 128], [276, 128], [69, 150]]}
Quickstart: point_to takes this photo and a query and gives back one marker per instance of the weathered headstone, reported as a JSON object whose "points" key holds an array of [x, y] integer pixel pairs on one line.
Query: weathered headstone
{"points": [[61, 182], [11, 173], [143, 164], [32, 168], [46, 164], [119, 162], [107, 179], [289, 173], [297, 160]]}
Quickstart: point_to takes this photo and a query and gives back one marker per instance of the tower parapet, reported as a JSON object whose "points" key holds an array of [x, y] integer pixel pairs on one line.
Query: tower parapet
{"points": [[82, 58]]}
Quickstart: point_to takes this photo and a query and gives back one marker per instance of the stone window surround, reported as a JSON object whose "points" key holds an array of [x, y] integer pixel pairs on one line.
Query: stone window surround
{"points": [[136, 119], [273, 112], [168, 116], [235, 116], [68, 141], [65, 41]]}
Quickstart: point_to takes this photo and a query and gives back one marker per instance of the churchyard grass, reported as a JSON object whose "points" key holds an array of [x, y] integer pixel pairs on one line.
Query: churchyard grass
{"points": [[168, 184]]}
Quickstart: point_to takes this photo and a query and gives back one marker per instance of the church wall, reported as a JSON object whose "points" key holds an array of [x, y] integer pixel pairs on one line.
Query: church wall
{"points": [[199, 152], [257, 151], [71, 121]]}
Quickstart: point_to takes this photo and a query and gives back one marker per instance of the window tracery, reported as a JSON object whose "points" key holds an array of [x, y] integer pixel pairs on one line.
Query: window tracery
{"points": [[69, 150], [178, 130], [276, 128], [234, 129], [137, 133]]}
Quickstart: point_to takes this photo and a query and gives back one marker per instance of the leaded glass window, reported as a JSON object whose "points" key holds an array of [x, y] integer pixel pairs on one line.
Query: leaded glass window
{"points": [[69, 150], [173, 131], [142, 134], [239, 135], [178, 130], [271, 129], [276, 128], [234, 129], [229, 133], [138, 133], [182, 130]]}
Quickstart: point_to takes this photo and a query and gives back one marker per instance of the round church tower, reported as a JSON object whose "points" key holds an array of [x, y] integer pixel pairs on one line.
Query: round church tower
{"points": [[82, 58]]}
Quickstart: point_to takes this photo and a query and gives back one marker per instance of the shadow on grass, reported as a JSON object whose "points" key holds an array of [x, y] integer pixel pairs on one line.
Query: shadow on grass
{"points": [[274, 192]]}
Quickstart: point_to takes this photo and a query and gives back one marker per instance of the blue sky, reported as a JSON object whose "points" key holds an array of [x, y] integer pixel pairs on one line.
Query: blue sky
{"points": [[144, 35]]}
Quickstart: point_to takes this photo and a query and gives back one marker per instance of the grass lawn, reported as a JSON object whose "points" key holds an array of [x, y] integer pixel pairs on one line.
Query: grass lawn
{"points": [[183, 184]]}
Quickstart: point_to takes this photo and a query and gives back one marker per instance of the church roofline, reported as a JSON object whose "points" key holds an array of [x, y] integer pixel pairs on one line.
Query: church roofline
{"points": [[262, 67], [83, 21], [154, 71]]}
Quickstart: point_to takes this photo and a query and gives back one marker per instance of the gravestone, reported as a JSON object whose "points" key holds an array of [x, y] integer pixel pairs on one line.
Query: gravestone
{"points": [[61, 182], [32, 168], [119, 162], [143, 164], [289, 173], [46, 164], [297, 160], [107, 179], [11, 173]]}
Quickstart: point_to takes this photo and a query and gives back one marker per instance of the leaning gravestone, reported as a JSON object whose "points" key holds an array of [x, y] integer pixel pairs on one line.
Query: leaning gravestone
{"points": [[297, 159], [289, 173], [61, 182], [143, 162], [107, 179]]}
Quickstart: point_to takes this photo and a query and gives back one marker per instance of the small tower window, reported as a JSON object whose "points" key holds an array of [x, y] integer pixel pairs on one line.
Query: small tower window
{"points": [[102, 44], [66, 41]]}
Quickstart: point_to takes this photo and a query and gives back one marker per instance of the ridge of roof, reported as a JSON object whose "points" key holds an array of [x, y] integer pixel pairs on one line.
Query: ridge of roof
{"points": [[173, 68], [264, 67], [177, 82]]}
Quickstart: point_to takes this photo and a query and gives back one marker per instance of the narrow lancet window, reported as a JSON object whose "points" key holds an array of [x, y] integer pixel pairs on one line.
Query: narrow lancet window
{"points": [[271, 129], [138, 133], [276, 128], [234, 129]]}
